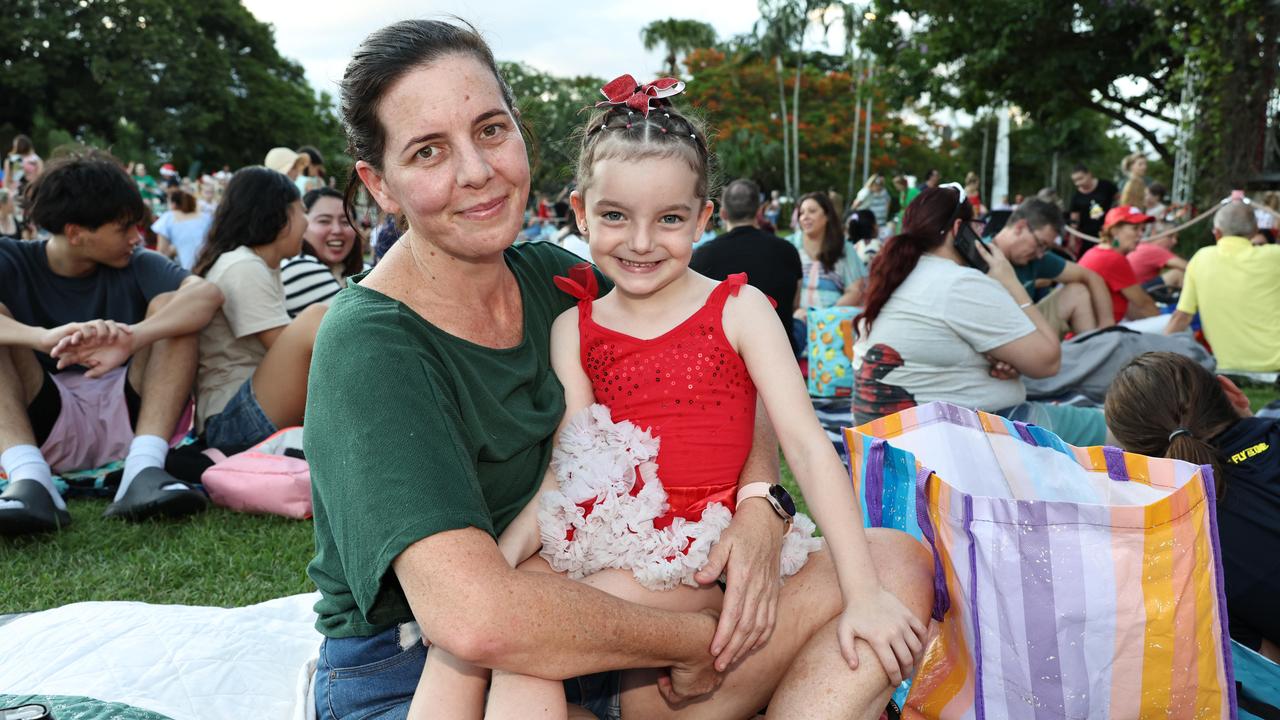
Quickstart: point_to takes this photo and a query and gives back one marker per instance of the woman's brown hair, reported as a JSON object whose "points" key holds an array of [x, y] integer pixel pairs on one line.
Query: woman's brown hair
{"points": [[925, 225], [1159, 394]]}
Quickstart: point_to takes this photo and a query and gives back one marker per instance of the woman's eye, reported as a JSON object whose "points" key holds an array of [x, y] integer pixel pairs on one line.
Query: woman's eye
{"points": [[427, 153], [491, 131]]}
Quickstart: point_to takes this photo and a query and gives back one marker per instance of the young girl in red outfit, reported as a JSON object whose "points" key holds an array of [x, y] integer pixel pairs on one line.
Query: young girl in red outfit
{"points": [[661, 376]]}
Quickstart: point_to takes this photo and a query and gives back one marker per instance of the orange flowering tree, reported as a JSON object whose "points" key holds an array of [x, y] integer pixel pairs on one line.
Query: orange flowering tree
{"points": [[738, 98]]}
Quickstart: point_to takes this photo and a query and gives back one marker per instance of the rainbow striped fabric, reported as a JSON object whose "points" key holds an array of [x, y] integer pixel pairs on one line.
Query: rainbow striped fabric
{"points": [[1071, 582]]}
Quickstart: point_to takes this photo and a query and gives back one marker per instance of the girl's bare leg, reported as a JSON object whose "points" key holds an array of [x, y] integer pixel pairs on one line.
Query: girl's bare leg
{"points": [[524, 696], [449, 688]]}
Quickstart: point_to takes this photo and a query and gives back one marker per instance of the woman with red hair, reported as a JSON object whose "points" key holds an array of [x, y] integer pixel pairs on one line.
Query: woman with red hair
{"points": [[936, 328]]}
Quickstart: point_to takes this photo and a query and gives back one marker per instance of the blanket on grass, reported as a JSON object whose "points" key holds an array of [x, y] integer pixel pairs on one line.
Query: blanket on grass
{"points": [[174, 661]]}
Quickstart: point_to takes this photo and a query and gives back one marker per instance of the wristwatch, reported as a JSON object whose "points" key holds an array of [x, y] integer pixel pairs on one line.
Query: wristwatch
{"points": [[777, 496]]}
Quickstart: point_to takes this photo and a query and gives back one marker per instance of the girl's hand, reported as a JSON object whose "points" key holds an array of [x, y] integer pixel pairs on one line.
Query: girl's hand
{"points": [[894, 633]]}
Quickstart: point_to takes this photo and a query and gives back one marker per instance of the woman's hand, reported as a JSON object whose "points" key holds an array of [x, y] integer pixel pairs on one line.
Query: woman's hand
{"points": [[748, 554], [894, 633], [998, 267]]}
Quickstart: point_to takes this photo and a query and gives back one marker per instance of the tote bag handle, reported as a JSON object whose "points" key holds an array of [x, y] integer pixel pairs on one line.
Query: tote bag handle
{"points": [[941, 598]]}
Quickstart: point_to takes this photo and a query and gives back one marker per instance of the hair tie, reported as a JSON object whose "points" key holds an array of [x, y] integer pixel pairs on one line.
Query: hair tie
{"points": [[1179, 431]]}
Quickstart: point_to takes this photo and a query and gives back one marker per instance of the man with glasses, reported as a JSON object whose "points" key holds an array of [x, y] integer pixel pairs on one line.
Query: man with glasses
{"points": [[1081, 300]]}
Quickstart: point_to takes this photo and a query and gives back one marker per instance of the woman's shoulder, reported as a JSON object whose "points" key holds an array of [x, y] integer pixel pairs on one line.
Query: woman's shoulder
{"points": [[238, 261]]}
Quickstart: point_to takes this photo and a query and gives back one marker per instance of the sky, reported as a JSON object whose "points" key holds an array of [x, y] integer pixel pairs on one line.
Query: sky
{"points": [[562, 37]]}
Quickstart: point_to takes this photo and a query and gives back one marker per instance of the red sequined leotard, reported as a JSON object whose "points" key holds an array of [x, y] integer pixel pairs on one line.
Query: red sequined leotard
{"points": [[688, 387], [648, 475]]}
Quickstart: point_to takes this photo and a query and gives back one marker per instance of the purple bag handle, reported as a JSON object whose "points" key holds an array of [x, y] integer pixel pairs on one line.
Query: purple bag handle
{"points": [[941, 599], [873, 483]]}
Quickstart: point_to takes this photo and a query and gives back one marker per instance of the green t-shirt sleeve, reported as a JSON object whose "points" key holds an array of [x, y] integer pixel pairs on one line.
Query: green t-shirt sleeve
{"points": [[389, 465]]}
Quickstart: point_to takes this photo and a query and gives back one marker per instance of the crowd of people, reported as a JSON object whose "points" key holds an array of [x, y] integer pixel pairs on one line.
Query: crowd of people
{"points": [[452, 497]]}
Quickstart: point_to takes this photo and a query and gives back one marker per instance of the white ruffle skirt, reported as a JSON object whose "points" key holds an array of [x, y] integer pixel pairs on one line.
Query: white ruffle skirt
{"points": [[597, 463]]}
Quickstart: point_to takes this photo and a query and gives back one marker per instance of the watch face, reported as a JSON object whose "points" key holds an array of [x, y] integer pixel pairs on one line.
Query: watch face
{"points": [[783, 498]]}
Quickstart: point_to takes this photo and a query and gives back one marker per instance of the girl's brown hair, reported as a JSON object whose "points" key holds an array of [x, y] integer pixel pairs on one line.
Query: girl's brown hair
{"points": [[183, 201], [618, 132], [1159, 393]]}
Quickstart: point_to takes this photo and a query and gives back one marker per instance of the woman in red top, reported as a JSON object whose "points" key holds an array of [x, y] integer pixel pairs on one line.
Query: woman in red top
{"points": [[1121, 231]]}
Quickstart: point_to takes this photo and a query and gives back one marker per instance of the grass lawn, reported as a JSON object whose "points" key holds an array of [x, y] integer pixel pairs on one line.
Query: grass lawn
{"points": [[217, 558]]}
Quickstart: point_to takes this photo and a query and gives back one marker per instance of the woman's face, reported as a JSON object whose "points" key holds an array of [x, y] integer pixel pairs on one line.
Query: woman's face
{"points": [[813, 221], [454, 163], [329, 233], [1125, 237], [1139, 167]]}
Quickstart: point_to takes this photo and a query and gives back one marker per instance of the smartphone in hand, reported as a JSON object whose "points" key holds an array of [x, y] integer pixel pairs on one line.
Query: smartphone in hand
{"points": [[966, 243]]}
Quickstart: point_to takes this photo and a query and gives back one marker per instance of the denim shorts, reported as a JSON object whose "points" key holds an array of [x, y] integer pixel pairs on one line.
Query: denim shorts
{"points": [[373, 678], [240, 424]]}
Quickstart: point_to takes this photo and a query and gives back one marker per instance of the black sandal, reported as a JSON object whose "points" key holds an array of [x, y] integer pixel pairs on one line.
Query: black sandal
{"points": [[145, 498], [38, 514]]}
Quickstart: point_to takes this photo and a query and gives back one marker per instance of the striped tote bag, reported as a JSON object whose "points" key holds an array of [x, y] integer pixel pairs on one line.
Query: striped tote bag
{"points": [[1070, 582]]}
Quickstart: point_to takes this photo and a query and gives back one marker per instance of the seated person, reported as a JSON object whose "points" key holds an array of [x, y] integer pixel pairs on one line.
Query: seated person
{"points": [[331, 253], [1154, 261], [1166, 405], [1235, 286], [1082, 301], [97, 349], [1119, 237], [772, 264], [254, 359], [936, 329]]}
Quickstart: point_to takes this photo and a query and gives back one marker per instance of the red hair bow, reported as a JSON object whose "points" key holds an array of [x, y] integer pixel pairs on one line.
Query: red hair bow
{"points": [[624, 90]]}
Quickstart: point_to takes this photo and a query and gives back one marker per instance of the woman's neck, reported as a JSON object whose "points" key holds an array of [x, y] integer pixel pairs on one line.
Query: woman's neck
{"points": [[947, 251], [269, 254]]}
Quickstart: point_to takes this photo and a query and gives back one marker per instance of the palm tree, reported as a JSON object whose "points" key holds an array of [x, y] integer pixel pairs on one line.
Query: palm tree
{"points": [[678, 37]]}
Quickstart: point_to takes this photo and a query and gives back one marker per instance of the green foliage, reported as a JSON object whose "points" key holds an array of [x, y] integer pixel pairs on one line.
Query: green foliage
{"points": [[174, 80], [677, 37], [555, 110], [216, 558], [1049, 58]]}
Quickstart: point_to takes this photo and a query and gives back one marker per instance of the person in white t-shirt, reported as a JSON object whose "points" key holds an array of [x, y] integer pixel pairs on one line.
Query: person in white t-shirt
{"points": [[935, 328], [254, 360]]}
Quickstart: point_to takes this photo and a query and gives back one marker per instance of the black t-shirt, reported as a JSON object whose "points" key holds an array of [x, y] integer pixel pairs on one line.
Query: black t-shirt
{"points": [[772, 265], [37, 296], [1249, 528], [1093, 207]]}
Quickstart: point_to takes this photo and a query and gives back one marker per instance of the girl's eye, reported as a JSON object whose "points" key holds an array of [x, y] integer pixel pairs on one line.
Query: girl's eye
{"points": [[612, 216], [672, 219]]}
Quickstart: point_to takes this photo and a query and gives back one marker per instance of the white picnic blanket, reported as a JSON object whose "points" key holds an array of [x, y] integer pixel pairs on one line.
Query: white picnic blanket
{"points": [[177, 660]]}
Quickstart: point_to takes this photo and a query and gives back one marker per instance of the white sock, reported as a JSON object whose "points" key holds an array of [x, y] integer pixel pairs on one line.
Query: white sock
{"points": [[146, 451], [24, 462]]}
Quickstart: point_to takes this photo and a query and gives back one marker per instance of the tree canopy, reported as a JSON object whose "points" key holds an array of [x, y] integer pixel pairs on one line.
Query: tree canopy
{"points": [[677, 37], [190, 81]]}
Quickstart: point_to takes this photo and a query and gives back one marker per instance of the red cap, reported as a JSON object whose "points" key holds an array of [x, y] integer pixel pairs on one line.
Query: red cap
{"points": [[1125, 214]]}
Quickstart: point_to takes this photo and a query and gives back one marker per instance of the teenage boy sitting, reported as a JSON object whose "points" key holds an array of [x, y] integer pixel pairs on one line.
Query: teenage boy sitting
{"points": [[97, 349]]}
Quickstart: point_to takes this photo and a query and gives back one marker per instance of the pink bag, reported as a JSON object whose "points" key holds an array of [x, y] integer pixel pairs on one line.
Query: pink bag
{"points": [[262, 479]]}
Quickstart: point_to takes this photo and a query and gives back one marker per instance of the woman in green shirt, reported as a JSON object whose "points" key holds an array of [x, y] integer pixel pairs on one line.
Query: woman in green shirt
{"points": [[416, 471]]}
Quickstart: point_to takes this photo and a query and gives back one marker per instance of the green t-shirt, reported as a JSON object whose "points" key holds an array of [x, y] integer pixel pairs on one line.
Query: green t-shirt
{"points": [[437, 434], [1048, 267]]}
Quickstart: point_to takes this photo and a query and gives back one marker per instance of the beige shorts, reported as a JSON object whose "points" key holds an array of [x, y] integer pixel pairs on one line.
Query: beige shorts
{"points": [[1048, 307]]}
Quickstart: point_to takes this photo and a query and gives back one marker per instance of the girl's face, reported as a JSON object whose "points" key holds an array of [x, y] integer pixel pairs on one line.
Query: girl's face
{"points": [[289, 241], [454, 161], [1125, 237], [641, 219], [813, 221], [328, 231]]}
